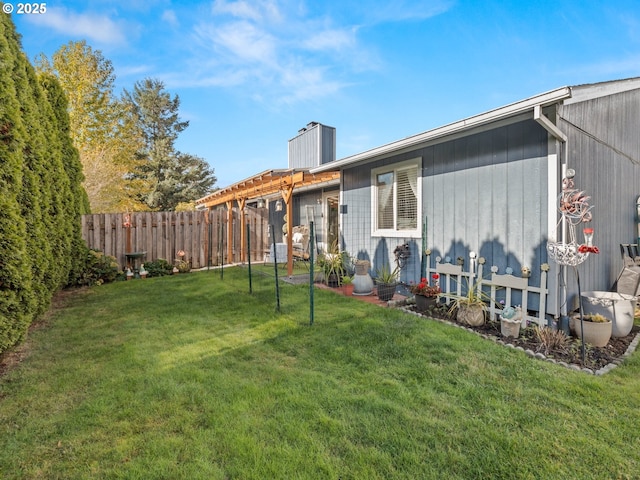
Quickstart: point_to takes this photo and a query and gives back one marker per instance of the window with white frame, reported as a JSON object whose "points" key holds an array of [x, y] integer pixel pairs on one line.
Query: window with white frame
{"points": [[397, 199]]}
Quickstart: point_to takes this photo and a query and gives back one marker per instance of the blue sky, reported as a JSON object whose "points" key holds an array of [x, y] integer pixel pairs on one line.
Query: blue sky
{"points": [[250, 74]]}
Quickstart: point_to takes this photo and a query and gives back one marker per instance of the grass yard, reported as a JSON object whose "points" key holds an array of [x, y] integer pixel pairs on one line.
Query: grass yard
{"points": [[190, 377]]}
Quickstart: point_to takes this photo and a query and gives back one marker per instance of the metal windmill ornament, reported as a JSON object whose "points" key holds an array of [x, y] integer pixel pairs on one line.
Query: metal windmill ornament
{"points": [[574, 208]]}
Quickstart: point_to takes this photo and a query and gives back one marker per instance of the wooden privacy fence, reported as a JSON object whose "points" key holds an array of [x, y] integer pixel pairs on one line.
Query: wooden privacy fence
{"points": [[202, 235], [452, 278]]}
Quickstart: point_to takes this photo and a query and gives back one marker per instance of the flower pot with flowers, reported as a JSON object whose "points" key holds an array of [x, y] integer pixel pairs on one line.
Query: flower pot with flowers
{"points": [[426, 295]]}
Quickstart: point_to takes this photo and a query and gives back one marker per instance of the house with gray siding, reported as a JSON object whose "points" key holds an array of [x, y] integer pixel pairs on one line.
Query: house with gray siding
{"points": [[489, 184]]}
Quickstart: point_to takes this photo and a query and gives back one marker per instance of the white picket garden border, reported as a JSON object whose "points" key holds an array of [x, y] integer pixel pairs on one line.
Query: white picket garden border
{"points": [[452, 277]]}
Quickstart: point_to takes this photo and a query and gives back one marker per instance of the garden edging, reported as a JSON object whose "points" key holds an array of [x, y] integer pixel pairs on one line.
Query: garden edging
{"points": [[537, 355]]}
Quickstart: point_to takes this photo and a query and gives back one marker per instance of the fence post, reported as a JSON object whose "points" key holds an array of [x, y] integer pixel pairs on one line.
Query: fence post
{"points": [[249, 255], [221, 252], [312, 251]]}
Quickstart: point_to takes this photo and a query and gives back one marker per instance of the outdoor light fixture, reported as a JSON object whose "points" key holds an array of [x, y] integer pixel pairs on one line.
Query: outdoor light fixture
{"points": [[261, 203], [279, 206]]}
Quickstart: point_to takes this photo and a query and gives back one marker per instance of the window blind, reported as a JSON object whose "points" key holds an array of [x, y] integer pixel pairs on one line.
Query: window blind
{"points": [[407, 199], [384, 184]]}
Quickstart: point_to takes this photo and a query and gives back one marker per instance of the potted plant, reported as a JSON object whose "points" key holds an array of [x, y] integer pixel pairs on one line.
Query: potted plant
{"points": [[332, 268], [181, 264], [470, 309], [597, 328], [347, 285], [510, 321], [618, 307], [386, 282], [426, 295]]}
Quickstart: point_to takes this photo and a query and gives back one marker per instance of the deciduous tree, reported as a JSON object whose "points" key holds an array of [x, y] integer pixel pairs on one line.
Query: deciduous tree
{"points": [[101, 125]]}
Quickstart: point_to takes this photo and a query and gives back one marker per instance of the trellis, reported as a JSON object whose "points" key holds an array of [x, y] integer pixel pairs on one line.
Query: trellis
{"points": [[454, 281]]}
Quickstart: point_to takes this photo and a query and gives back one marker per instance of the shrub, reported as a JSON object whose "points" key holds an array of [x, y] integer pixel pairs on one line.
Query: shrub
{"points": [[551, 339], [98, 269], [158, 268]]}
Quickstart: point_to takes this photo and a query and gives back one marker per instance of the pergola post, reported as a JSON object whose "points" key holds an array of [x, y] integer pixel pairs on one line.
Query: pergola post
{"points": [[262, 185], [229, 231], [287, 196], [243, 229]]}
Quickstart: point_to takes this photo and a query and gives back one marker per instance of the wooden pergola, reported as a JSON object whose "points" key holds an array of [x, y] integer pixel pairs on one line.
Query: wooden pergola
{"points": [[269, 182]]}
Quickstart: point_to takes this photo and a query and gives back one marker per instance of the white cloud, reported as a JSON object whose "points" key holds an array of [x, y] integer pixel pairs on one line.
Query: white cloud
{"points": [[258, 11], [331, 39], [99, 28], [288, 51], [405, 10], [170, 17], [246, 42]]}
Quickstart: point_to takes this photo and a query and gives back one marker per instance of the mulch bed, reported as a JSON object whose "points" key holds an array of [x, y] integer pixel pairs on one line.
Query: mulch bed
{"points": [[597, 359]]}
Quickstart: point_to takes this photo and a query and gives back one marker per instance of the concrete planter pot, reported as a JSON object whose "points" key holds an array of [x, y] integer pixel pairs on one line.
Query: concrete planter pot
{"points": [[472, 315], [510, 327], [597, 334], [362, 281], [618, 307]]}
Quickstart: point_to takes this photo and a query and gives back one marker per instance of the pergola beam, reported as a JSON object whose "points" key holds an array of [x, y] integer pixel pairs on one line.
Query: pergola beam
{"points": [[265, 184]]}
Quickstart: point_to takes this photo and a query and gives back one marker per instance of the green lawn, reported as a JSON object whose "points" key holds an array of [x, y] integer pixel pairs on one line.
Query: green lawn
{"points": [[191, 377]]}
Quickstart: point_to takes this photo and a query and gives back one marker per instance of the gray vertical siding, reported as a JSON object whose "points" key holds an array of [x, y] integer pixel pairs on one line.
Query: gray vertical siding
{"points": [[314, 146], [328, 144], [484, 192], [612, 180]]}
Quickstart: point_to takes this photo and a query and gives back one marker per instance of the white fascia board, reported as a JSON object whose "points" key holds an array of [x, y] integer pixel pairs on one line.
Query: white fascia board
{"points": [[510, 110], [581, 93]]}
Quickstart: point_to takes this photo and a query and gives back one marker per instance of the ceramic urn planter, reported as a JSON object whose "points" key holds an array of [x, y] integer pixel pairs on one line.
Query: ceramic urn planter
{"points": [[472, 315]]}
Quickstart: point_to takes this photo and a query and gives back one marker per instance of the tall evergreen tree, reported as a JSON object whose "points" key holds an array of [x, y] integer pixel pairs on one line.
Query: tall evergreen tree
{"points": [[40, 199], [170, 177], [70, 200], [16, 295]]}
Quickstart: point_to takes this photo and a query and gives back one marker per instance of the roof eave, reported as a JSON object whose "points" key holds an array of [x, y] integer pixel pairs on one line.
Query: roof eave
{"points": [[497, 114]]}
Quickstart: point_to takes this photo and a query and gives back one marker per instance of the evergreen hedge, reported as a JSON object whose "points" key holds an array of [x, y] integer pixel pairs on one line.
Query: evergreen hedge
{"points": [[41, 194]]}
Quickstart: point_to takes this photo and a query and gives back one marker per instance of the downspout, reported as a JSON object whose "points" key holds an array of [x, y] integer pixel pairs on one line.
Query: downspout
{"points": [[560, 309]]}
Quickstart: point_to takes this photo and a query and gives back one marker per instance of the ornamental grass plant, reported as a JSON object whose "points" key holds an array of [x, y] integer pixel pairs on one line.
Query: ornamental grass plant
{"points": [[190, 376]]}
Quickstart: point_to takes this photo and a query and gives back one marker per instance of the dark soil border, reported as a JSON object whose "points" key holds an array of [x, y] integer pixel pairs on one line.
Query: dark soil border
{"points": [[598, 361]]}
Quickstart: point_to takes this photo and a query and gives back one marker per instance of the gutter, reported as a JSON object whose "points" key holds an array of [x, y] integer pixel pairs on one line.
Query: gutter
{"points": [[491, 116]]}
